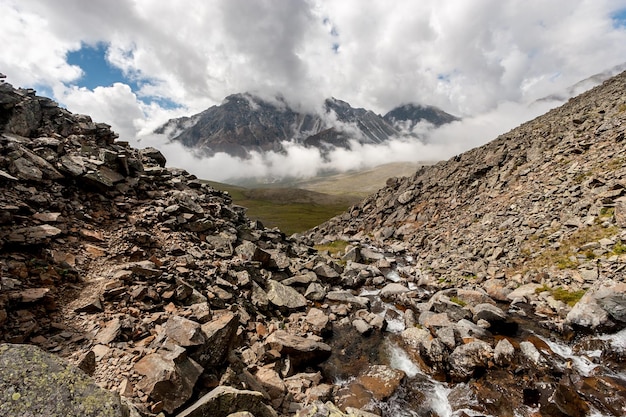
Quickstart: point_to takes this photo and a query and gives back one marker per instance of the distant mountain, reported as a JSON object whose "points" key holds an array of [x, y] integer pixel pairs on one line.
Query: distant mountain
{"points": [[405, 117], [243, 123]]}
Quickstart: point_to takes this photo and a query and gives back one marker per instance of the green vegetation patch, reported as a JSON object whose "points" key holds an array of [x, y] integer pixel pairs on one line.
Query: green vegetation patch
{"points": [[291, 210], [334, 247], [562, 257], [458, 301], [568, 297]]}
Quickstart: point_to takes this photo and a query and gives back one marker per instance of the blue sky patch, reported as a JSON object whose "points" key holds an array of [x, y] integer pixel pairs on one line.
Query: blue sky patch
{"points": [[97, 71], [619, 18]]}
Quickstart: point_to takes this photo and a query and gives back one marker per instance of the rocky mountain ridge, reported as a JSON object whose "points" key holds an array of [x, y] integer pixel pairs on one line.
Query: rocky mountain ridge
{"points": [[245, 123], [446, 293]]}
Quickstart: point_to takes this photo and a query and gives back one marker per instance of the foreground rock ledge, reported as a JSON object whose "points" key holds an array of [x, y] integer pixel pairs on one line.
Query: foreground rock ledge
{"points": [[36, 383], [223, 401]]}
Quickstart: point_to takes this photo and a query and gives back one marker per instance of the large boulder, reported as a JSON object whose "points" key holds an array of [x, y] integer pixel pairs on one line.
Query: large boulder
{"points": [[219, 336], [300, 349], [602, 307], [169, 376], [223, 401], [36, 383], [284, 297]]}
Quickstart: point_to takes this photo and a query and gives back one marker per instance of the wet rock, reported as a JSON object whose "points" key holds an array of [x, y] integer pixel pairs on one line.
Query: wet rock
{"points": [[283, 296], [530, 352], [36, 383], [381, 380], [469, 358], [224, 400], [169, 376], [503, 353]]}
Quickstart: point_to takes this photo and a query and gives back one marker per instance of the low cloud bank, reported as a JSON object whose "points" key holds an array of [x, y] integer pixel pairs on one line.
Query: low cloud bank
{"points": [[296, 161]]}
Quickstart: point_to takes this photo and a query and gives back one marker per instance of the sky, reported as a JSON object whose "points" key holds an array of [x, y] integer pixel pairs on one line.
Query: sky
{"points": [[136, 63]]}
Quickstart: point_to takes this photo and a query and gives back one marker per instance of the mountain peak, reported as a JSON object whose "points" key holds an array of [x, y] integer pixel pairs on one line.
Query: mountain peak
{"points": [[244, 122]]}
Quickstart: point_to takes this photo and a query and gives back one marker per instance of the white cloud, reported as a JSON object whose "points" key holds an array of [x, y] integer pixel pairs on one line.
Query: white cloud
{"points": [[478, 59]]}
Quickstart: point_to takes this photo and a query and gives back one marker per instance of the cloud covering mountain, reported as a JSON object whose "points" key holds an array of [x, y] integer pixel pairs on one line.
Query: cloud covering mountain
{"points": [[469, 58]]}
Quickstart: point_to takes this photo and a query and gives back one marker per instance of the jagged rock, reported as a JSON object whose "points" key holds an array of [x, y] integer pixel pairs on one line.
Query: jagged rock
{"points": [[223, 401], [219, 335], [466, 359], [299, 349], [109, 332], [326, 273], [169, 376], [503, 353], [33, 382], [184, 332], [601, 307], [283, 296], [315, 292], [319, 321], [272, 383]]}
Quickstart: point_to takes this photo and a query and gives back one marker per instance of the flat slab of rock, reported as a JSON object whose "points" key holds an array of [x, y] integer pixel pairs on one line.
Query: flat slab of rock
{"points": [[223, 401], [300, 349], [36, 383], [381, 380], [283, 296]]}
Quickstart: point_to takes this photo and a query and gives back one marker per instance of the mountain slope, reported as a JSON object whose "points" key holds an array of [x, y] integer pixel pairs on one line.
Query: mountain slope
{"points": [[245, 123], [405, 117], [544, 196]]}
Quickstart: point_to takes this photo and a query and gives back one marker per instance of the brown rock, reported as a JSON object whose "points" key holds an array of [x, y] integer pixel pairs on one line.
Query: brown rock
{"points": [[169, 376], [381, 380], [184, 332]]}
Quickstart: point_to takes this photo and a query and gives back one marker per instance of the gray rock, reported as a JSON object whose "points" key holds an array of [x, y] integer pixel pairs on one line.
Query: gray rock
{"points": [[362, 326], [490, 313], [466, 359], [36, 383], [503, 353], [283, 296], [530, 352], [345, 296], [601, 307], [315, 292], [392, 289]]}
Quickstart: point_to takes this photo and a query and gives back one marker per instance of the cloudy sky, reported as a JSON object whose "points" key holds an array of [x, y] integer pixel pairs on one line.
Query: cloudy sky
{"points": [[136, 63]]}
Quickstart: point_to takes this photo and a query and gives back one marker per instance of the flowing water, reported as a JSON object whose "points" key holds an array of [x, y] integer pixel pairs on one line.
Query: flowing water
{"points": [[420, 394]]}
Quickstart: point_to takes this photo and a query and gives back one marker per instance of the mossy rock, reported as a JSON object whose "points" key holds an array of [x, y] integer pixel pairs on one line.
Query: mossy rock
{"points": [[36, 383]]}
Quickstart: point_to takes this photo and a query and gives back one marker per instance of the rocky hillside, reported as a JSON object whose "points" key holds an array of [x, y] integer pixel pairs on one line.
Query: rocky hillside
{"points": [[245, 123], [490, 284], [546, 201]]}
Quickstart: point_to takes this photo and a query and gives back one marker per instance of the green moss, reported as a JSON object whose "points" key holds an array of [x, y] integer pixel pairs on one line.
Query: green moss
{"points": [[334, 247], [619, 248], [568, 297], [541, 289], [458, 301]]}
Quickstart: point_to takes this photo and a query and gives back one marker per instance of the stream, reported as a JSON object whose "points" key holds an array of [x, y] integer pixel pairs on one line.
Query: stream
{"points": [[547, 376]]}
